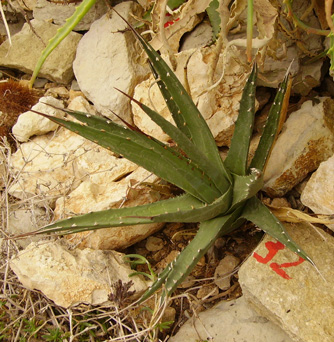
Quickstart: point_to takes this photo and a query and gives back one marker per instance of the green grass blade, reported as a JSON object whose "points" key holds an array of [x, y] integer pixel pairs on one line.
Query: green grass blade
{"points": [[270, 130], [250, 27], [256, 212], [61, 34], [147, 153], [199, 131], [236, 160], [180, 268]]}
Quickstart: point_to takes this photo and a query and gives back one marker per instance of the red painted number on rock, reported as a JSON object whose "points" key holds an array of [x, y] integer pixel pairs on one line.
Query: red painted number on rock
{"points": [[273, 248]]}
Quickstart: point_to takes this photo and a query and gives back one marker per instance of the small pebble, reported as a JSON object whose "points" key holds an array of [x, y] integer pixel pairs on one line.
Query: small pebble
{"points": [[211, 290], [154, 244], [224, 271], [280, 202]]}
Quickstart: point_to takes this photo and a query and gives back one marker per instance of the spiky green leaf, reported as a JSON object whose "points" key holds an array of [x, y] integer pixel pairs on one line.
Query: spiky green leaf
{"points": [[188, 147], [184, 208], [256, 212], [181, 267], [237, 158], [197, 128], [245, 187], [148, 153], [270, 130]]}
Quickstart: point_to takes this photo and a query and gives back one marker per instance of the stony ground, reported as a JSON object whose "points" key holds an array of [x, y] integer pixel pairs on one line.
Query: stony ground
{"points": [[48, 173]]}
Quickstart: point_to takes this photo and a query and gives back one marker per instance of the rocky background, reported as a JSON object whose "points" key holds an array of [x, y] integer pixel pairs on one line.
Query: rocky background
{"points": [[48, 173]]}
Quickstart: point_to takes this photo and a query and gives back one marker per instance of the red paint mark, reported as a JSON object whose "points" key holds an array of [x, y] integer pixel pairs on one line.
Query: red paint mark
{"points": [[273, 248], [169, 23], [278, 267]]}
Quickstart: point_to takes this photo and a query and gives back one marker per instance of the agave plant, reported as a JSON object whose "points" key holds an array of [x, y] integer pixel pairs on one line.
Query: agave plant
{"points": [[220, 195]]}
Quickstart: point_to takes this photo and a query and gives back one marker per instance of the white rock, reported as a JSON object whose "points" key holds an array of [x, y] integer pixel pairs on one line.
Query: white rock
{"points": [[219, 106], [80, 104], [30, 123], [144, 93], [286, 290], [106, 193], [318, 193], [58, 13], [26, 220], [230, 321], [98, 190], [107, 58], [28, 5], [80, 177], [26, 49], [48, 167], [305, 141], [200, 36], [69, 277]]}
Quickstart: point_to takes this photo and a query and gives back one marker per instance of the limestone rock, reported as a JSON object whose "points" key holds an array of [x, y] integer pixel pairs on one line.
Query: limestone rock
{"points": [[57, 67], [70, 277], [200, 36], [100, 192], [318, 193], [25, 220], [305, 141], [16, 22], [30, 123], [78, 176], [58, 92], [107, 58], [290, 292], [224, 271], [51, 166], [230, 321], [219, 106], [28, 5], [59, 12]]}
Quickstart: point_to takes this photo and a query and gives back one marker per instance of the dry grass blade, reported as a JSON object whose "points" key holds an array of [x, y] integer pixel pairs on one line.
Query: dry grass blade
{"points": [[294, 216]]}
